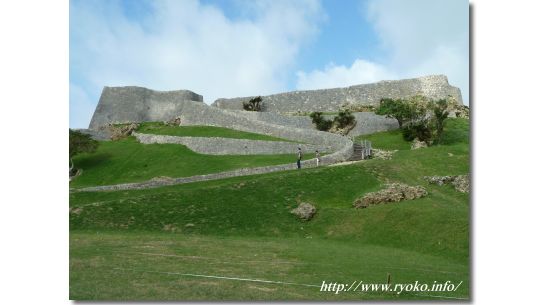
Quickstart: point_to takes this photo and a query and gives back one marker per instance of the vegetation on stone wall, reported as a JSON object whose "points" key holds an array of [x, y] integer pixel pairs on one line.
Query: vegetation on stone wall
{"points": [[321, 123], [344, 120], [254, 104], [358, 107]]}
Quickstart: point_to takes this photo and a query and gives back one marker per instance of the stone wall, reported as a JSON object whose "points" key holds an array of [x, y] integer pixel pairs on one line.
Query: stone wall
{"points": [[434, 86], [296, 121], [137, 104], [228, 146], [193, 113], [369, 122]]}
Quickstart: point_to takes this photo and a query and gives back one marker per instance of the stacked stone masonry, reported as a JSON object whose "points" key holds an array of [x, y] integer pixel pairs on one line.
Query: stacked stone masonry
{"points": [[433, 86], [137, 104], [227, 146]]}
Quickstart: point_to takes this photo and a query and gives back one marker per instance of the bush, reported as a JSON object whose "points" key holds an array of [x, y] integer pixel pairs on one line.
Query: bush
{"points": [[422, 130], [344, 119], [402, 110], [440, 114], [418, 117], [79, 143], [254, 104], [320, 122]]}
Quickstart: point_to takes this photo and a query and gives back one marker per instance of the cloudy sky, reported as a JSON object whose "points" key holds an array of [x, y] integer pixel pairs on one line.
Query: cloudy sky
{"points": [[229, 48]]}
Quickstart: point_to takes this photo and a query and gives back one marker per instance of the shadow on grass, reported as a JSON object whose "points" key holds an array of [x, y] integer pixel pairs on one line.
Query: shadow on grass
{"points": [[91, 160]]}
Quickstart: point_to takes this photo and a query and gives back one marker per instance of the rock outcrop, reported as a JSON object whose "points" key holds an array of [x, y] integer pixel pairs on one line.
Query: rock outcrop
{"points": [[393, 192], [461, 182]]}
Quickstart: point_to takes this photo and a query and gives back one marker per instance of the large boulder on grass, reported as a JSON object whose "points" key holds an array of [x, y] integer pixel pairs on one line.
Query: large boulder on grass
{"points": [[305, 211]]}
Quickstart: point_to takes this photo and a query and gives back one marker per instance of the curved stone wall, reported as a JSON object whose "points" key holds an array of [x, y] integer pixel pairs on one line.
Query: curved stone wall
{"points": [[200, 114], [193, 113], [137, 104], [228, 146], [296, 121], [434, 86], [134, 104]]}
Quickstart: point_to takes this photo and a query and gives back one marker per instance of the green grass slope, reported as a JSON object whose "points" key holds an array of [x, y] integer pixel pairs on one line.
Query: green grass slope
{"points": [[203, 131], [142, 244], [128, 160]]}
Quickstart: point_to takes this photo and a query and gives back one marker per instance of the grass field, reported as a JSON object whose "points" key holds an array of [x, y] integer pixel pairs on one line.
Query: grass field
{"points": [[203, 131], [155, 244], [128, 160]]}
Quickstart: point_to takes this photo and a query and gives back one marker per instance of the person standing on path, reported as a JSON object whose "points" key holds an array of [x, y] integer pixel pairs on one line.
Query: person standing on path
{"points": [[299, 157], [317, 157]]}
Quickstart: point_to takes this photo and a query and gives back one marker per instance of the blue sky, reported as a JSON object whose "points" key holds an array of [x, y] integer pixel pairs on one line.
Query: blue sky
{"points": [[227, 48]]}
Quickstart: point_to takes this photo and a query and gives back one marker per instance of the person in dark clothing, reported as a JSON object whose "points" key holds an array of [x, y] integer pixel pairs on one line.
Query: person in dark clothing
{"points": [[299, 157]]}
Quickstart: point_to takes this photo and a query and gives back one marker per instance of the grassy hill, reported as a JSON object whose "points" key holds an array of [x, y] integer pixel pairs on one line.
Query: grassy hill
{"points": [[128, 160], [203, 131], [158, 243]]}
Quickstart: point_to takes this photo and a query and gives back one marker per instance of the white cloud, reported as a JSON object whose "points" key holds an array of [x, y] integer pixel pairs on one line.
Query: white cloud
{"points": [[186, 45], [418, 37], [361, 71]]}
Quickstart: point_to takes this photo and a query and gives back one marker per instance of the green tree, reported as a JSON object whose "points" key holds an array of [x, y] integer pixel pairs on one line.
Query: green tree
{"points": [[440, 114], [80, 143], [254, 104], [344, 119], [320, 122], [418, 129], [399, 109]]}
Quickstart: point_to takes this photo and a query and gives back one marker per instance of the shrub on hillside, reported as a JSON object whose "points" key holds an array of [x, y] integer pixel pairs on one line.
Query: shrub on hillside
{"points": [[79, 143], [419, 117], [421, 130], [440, 114]]}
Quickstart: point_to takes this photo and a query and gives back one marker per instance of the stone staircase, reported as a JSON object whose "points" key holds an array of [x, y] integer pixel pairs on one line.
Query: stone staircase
{"points": [[361, 151]]}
